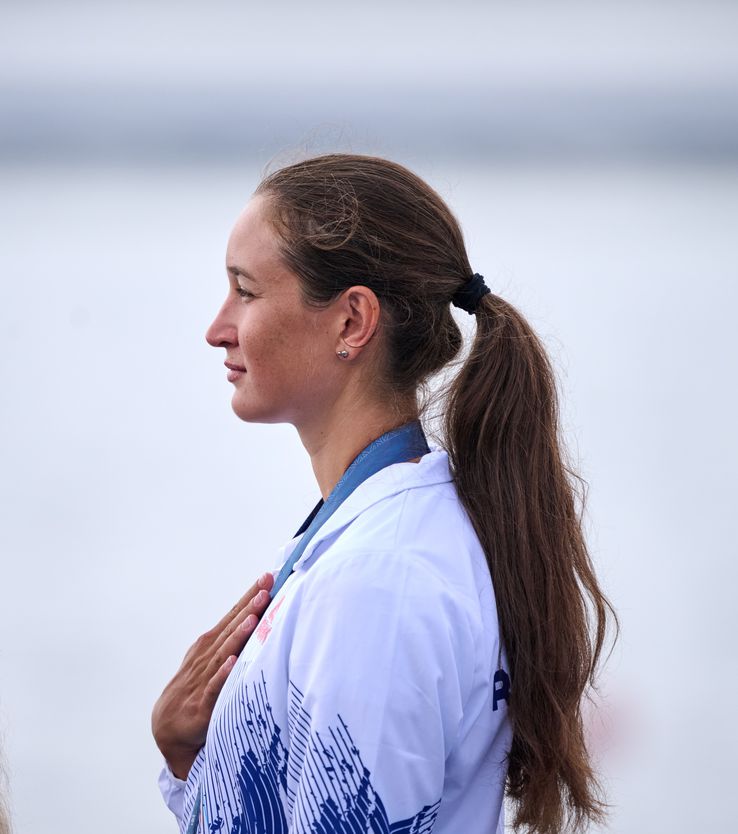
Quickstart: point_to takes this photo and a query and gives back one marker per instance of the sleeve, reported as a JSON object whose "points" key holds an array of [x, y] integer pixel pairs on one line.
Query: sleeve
{"points": [[172, 791], [379, 672], [181, 796]]}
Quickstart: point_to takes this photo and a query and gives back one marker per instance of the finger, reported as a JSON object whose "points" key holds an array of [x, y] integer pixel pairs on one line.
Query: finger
{"points": [[256, 606], [215, 684], [231, 645], [235, 642], [240, 605], [238, 639], [264, 582]]}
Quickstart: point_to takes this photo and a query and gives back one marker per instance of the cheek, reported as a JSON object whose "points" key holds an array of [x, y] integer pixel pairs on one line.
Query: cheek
{"points": [[258, 337], [277, 345], [315, 358], [285, 345]]}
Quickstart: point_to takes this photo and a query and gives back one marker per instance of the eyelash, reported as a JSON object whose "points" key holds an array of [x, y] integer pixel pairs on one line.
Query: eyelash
{"points": [[244, 293]]}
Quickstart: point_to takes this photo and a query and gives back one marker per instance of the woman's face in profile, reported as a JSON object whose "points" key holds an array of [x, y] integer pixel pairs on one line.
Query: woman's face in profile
{"points": [[281, 352]]}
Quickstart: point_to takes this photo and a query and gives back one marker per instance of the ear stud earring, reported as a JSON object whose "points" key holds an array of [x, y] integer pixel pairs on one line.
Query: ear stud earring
{"points": [[342, 354]]}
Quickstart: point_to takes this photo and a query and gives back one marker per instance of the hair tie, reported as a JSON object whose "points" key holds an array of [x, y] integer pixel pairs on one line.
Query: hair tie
{"points": [[468, 295]]}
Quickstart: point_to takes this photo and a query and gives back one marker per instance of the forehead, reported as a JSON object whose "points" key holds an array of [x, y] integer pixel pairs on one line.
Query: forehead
{"points": [[253, 245]]}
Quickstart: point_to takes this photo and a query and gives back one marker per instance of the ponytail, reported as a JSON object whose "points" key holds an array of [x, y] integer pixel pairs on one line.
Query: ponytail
{"points": [[502, 434]]}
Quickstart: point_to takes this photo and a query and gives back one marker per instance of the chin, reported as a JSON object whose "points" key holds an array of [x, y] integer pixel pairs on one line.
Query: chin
{"points": [[249, 412]]}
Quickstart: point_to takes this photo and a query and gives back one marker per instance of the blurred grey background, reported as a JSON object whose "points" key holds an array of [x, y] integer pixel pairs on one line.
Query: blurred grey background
{"points": [[590, 151]]}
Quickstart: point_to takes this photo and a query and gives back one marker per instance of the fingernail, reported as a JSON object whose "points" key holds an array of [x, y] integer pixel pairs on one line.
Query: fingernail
{"points": [[261, 597], [249, 623], [264, 579]]}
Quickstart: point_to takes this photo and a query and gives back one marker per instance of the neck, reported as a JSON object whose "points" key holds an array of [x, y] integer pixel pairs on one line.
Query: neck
{"points": [[336, 439]]}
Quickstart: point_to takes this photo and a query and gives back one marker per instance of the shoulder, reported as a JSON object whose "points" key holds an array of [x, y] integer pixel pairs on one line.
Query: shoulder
{"points": [[417, 541], [381, 619], [410, 554], [413, 559], [413, 535]]}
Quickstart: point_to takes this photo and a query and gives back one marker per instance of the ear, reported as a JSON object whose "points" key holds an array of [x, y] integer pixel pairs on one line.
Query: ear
{"points": [[359, 310]]}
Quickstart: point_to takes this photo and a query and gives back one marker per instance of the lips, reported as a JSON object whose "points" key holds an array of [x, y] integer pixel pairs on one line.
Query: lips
{"points": [[235, 372]]}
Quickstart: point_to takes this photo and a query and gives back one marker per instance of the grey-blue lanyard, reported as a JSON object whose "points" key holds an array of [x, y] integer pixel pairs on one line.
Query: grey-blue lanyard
{"points": [[396, 446]]}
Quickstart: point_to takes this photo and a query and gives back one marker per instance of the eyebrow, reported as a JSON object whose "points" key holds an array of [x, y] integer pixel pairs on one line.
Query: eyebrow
{"points": [[236, 270]]}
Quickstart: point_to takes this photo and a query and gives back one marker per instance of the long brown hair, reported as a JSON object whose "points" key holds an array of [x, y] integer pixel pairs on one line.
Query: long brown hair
{"points": [[345, 219]]}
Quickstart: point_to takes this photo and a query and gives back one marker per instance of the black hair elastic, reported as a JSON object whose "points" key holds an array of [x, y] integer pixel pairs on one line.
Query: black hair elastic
{"points": [[468, 295]]}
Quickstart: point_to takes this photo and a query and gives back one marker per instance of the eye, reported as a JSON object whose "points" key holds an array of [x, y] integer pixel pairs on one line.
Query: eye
{"points": [[244, 293]]}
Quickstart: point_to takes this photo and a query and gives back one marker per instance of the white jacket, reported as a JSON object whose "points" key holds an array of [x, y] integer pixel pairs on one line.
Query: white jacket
{"points": [[373, 695]]}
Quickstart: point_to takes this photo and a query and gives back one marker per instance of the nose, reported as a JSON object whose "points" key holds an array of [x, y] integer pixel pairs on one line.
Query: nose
{"points": [[222, 332]]}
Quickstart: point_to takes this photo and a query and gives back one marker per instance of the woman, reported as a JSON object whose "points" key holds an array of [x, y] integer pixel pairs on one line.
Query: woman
{"points": [[428, 643]]}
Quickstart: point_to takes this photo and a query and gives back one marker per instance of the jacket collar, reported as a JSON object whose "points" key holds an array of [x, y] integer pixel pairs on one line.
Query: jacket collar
{"points": [[432, 469]]}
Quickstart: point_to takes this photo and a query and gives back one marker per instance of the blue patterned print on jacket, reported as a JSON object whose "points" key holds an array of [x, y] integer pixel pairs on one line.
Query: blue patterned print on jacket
{"points": [[334, 792]]}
